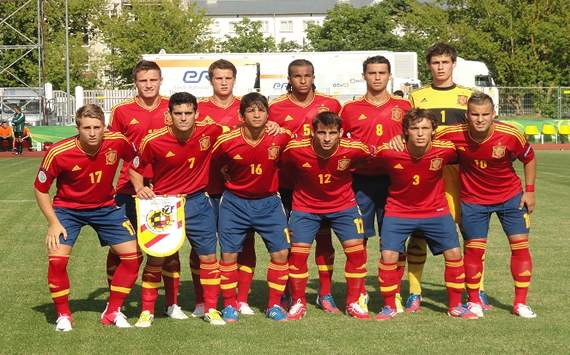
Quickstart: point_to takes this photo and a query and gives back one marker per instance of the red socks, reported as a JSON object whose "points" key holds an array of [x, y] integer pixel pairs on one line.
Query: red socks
{"points": [[210, 280], [195, 269], [277, 276], [228, 284], [58, 283], [124, 278], [521, 268], [171, 278], [354, 271], [298, 271], [389, 278], [324, 258], [454, 276], [246, 267], [474, 255]]}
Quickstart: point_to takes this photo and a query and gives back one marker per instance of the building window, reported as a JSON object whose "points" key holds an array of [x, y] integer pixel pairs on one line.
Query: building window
{"points": [[286, 26]]}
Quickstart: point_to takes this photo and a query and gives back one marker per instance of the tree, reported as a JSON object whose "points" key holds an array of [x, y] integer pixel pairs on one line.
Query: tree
{"points": [[248, 38], [148, 27]]}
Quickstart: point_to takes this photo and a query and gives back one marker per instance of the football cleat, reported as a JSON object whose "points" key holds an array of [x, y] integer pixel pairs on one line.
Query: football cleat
{"points": [[245, 309], [485, 301], [413, 303], [297, 310], [214, 317], [386, 313], [145, 320], [355, 311], [327, 304], [63, 323], [475, 308], [230, 314], [524, 311], [363, 301], [399, 306], [175, 312], [116, 318], [276, 312], [199, 311], [461, 312]]}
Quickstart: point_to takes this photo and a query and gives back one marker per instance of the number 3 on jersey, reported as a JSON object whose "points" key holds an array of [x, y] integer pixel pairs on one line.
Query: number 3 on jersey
{"points": [[416, 180]]}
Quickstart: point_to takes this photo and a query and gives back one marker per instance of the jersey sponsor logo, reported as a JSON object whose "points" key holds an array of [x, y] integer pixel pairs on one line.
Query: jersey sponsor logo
{"points": [[435, 164], [362, 117], [397, 114], [398, 166], [273, 152], [237, 157], [42, 177], [134, 121], [462, 100], [306, 165], [204, 143], [289, 118], [343, 164], [76, 168], [169, 154], [111, 157], [498, 151]]}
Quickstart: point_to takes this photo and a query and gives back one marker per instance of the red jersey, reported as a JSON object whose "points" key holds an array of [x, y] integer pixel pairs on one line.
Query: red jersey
{"points": [[83, 181], [322, 185], [179, 167], [373, 124], [297, 118], [252, 169], [228, 117], [135, 122], [416, 185], [486, 169]]}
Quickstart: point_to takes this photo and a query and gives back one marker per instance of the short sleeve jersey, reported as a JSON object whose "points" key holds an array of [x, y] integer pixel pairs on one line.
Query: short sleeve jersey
{"points": [[83, 181], [447, 104], [486, 168], [373, 124], [322, 185], [135, 122], [416, 185], [179, 167], [251, 168]]}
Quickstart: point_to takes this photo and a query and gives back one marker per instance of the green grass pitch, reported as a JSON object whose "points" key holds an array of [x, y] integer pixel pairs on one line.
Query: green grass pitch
{"points": [[28, 318]]}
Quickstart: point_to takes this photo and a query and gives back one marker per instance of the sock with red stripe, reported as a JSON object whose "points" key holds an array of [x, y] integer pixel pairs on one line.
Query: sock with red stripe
{"points": [[152, 274], [171, 278], [195, 269], [113, 261], [228, 283], [124, 279], [210, 280], [58, 282], [474, 255], [246, 267], [324, 258], [298, 271], [277, 276], [389, 279], [521, 268], [454, 275], [354, 271]]}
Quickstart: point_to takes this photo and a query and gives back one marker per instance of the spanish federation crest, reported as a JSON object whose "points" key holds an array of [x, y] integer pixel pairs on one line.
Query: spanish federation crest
{"points": [[204, 143], [273, 152], [397, 114], [498, 151], [343, 164], [435, 164], [111, 157]]}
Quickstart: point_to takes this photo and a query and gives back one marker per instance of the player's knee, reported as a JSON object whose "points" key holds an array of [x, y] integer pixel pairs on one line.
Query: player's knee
{"points": [[452, 254], [390, 256], [280, 256]]}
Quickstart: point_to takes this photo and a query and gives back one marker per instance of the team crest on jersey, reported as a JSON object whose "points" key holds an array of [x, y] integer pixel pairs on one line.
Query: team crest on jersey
{"points": [[343, 164], [204, 143], [462, 100], [111, 157], [498, 151], [322, 108], [273, 152], [435, 164], [397, 114]]}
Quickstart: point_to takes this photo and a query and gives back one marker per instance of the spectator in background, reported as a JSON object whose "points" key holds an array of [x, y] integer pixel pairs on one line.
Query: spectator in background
{"points": [[398, 93], [18, 122], [6, 137], [27, 139]]}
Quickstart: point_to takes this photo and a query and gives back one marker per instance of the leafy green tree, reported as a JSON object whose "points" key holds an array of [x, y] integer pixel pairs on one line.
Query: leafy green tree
{"points": [[248, 38]]}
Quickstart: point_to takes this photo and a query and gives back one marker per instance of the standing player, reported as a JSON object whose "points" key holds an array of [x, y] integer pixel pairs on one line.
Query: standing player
{"points": [[416, 202], [135, 118], [223, 108], [179, 156], [250, 201], [18, 122], [447, 101], [295, 111], [374, 119], [322, 192], [490, 185], [84, 167]]}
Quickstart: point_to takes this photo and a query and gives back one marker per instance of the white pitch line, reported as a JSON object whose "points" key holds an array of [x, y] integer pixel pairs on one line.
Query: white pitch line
{"points": [[16, 201]]}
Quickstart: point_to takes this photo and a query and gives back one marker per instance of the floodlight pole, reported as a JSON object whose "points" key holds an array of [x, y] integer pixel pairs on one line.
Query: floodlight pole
{"points": [[68, 91]]}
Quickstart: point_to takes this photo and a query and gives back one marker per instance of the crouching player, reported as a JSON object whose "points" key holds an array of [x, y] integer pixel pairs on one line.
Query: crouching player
{"points": [[322, 192], [489, 184], [416, 203], [85, 166], [251, 201], [180, 158]]}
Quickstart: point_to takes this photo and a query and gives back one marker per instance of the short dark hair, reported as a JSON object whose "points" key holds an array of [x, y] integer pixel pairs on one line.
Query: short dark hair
{"points": [[253, 99], [221, 64], [299, 63], [145, 65], [441, 49], [326, 118], [480, 98], [398, 93], [415, 115], [91, 111], [181, 98], [377, 59]]}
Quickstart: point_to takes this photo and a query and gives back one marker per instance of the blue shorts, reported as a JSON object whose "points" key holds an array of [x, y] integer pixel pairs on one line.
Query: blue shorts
{"points": [[475, 218], [264, 215], [371, 194], [128, 202], [347, 224], [110, 223], [200, 223], [439, 233]]}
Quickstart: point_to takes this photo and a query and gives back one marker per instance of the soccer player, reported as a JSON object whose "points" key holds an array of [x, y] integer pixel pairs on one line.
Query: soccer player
{"points": [[135, 118], [84, 167], [374, 119], [250, 201], [489, 184], [322, 192], [448, 102], [180, 157], [416, 202], [295, 111], [223, 108], [18, 122]]}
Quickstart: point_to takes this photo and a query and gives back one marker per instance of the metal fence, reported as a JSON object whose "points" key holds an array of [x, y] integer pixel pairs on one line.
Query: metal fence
{"points": [[107, 98], [534, 102]]}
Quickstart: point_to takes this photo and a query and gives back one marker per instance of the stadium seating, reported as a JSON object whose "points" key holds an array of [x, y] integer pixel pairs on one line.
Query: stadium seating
{"points": [[564, 132], [549, 131], [532, 131]]}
